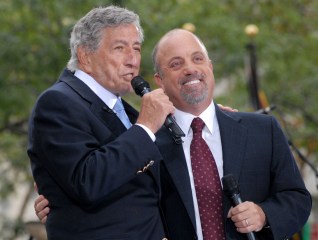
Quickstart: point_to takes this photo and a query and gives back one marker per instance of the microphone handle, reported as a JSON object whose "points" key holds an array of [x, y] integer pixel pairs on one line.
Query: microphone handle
{"points": [[250, 236], [173, 127], [236, 199]]}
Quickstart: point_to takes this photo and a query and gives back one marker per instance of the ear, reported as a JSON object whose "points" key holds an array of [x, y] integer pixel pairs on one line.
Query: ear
{"points": [[211, 65], [158, 80], [84, 61]]}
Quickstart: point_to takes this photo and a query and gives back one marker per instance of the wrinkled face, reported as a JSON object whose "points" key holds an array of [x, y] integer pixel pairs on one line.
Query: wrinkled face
{"points": [[186, 72], [117, 60]]}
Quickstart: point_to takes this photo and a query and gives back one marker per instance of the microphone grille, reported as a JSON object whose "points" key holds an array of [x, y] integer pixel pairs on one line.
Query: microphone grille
{"points": [[230, 185], [139, 85]]}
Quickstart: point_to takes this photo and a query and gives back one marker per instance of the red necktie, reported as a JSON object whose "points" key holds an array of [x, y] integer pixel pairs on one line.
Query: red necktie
{"points": [[207, 184]]}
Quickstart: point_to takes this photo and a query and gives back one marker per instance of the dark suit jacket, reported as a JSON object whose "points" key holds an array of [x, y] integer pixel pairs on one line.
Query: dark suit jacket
{"points": [[86, 163], [256, 152]]}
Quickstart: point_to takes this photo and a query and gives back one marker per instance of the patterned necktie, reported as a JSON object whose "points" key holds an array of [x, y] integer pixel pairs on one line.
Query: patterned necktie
{"points": [[207, 184], [120, 112]]}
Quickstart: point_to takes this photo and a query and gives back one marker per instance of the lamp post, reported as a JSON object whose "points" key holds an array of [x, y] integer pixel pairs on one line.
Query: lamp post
{"points": [[189, 26], [251, 31]]}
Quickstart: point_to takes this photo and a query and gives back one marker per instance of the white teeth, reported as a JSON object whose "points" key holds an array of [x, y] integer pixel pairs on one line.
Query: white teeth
{"points": [[192, 82], [129, 75]]}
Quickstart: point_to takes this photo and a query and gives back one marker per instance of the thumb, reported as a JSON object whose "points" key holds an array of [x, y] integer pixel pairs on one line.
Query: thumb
{"points": [[229, 214]]}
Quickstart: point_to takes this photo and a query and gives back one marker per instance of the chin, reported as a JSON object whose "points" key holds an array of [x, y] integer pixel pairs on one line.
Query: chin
{"points": [[127, 91]]}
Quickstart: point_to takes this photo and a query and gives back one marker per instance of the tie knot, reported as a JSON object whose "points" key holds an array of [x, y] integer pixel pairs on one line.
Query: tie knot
{"points": [[197, 125]]}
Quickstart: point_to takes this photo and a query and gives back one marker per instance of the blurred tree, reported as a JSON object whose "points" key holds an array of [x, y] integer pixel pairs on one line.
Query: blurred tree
{"points": [[34, 49]]}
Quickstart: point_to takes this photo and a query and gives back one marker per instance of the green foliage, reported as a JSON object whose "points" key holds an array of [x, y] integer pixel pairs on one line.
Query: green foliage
{"points": [[34, 50]]}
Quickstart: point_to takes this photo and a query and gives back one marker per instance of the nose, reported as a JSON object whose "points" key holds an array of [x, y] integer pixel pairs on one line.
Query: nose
{"points": [[189, 68], [132, 58]]}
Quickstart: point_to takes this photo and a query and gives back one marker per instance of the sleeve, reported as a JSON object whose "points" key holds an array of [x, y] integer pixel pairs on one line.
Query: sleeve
{"points": [[289, 205]]}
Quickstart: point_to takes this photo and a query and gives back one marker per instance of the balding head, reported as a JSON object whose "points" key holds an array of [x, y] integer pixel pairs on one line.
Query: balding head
{"points": [[174, 35], [184, 71]]}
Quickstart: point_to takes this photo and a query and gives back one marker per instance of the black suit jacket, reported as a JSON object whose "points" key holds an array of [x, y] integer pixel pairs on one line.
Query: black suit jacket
{"points": [[85, 162], [256, 152]]}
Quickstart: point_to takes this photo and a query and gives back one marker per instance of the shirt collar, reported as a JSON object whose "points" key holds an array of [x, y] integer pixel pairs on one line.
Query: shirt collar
{"points": [[106, 96], [184, 119]]}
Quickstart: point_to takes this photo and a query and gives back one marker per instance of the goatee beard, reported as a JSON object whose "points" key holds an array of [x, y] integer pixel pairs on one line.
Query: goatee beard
{"points": [[198, 94]]}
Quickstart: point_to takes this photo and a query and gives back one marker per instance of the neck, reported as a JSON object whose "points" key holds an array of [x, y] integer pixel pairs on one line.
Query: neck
{"points": [[196, 109]]}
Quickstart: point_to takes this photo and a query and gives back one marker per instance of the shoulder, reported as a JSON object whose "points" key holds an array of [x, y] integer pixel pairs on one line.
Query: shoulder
{"points": [[246, 118], [59, 93]]}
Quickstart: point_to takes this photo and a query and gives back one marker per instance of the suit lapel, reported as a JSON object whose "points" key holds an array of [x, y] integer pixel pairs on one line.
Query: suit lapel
{"points": [[233, 138], [131, 112], [175, 162], [108, 117]]}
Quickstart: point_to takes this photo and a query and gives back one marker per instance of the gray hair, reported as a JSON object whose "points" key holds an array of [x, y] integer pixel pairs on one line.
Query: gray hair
{"points": [[156, 65], [87, 32]]}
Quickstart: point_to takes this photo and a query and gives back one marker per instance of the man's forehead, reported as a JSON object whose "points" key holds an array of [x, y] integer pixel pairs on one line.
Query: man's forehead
{"points": [[171, 51], [126, 41], [123, 34], [180, 42]]}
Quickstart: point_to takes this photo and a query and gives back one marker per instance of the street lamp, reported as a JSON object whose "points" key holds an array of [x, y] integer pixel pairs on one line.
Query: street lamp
{"points": [[251, 30], [189, 26]]}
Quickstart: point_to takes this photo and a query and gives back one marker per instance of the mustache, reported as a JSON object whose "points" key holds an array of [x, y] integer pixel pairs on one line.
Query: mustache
{"points": [[191, 77]]}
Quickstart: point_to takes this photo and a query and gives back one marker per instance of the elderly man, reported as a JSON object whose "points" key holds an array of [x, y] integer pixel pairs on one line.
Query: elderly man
{"points": [[101, 179]]}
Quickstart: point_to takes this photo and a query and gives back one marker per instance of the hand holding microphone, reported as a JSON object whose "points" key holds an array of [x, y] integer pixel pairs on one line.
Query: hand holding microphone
{"points": [[231, 190], [156, 109]]}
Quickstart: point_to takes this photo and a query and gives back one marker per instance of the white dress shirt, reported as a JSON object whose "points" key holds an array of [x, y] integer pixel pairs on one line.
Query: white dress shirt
{"points": [[211, 134], [106, 96]]}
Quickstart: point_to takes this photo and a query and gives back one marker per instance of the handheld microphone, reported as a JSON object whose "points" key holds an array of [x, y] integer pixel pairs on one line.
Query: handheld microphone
{"points": [[231, 190], [266, 110], [142, 87]]}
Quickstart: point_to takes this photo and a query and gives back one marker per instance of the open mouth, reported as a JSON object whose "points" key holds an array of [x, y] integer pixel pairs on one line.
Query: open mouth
{"points": [[128, 76]]}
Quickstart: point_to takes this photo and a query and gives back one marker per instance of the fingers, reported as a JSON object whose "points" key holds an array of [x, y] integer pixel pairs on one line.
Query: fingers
{"points": [[227, 108], [39, 201], [41, 208], [43, 215], [247, 217], [155, 107], [229, 214]]}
